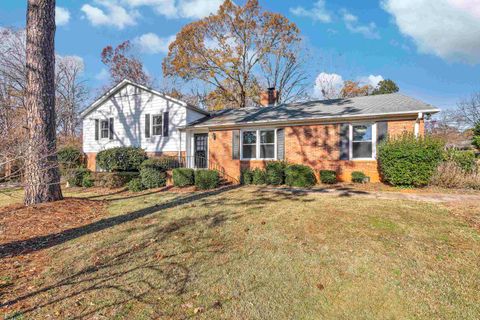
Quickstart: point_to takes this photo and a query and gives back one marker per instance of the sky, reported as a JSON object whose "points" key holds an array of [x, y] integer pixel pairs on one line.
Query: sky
{"points": [[431, 49]]}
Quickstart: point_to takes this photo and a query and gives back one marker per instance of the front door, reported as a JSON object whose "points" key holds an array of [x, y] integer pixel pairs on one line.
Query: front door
{"points": [[200, 150]]}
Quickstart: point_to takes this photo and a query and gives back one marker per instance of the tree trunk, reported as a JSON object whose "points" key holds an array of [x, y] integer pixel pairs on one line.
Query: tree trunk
{"points": [[42, 177]]}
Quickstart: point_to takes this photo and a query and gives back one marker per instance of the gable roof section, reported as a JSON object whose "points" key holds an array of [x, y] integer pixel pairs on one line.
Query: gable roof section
{"points": [[386, 105], [125, 82]]}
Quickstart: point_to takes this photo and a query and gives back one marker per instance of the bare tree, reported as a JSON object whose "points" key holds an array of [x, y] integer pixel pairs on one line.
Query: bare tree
{"points": [[42, 176], [469, 110], [71, 93]]}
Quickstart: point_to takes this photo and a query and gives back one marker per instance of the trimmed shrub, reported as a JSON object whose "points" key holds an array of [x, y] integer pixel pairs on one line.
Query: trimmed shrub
{"points": [[276, 173], [77, 175], [246, 177], [297, 175], [114, 180], [87, 181], [183, 177], [153, 178], [135, 185], [70, 157], [206, 179], [328, 176], [409, 161], [259, 176], [121, 159], [359, 177], [464, 159]]}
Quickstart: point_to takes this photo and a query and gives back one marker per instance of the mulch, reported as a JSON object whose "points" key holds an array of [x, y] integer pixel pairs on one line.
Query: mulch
{"points": [[19, 223]]}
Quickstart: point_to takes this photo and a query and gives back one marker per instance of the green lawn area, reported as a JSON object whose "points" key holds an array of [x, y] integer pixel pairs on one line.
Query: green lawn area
{"points": [[249, 253]]}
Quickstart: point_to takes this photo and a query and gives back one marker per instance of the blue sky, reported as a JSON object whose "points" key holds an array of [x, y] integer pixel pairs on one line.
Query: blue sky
{"points": [[430, 48]]}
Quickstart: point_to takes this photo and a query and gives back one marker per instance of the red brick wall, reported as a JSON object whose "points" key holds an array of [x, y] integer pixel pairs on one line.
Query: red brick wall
{"points": [[312, 145]]}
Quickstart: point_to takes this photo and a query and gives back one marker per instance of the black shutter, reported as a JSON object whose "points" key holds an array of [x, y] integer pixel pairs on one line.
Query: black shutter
{"points": [[236, 144], [165, 124], [281, 144], [110, 127], [147, 126], [97, 129], [382, 131], [344, 141]]}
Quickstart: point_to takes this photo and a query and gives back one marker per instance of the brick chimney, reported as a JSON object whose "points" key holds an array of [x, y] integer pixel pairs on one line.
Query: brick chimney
{"points": [[269, 98]]}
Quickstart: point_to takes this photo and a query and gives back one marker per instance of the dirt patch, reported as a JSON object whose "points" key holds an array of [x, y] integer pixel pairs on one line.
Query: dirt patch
{"points": [[19, 223]]}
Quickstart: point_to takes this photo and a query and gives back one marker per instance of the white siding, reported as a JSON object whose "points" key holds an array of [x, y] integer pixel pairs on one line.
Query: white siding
{"points": [[128, 108]]}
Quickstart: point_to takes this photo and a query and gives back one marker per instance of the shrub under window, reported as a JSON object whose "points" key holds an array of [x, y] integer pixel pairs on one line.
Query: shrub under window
{"points": [[276, 172], [246, 177], [297, 175], [359, 177], [328, 176], [121, 159], [259, 177]]}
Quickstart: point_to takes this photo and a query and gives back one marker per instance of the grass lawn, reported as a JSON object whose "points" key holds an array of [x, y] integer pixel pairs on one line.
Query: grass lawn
{"points": [[248, 253]]}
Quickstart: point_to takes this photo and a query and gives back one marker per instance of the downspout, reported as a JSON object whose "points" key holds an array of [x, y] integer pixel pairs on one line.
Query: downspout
{"points": [[417, 124]]}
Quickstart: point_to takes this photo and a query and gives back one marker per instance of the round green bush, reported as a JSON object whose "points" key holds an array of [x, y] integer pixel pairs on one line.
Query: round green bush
{"points": [[464, 159], [276, 172], [113, 180], [409, 161], [206, 179], [328, 176], [121, 159], [183, 177], [153, 178], [259, 176], [246, 176], [359, 177], [135, 185], [69, 157], [87, 181], [297, 175]]}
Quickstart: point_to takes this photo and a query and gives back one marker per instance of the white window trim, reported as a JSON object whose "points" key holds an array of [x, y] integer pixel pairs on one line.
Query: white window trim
{"points": [[374, 141], [151, 125], [108, 129], [257, 147]]}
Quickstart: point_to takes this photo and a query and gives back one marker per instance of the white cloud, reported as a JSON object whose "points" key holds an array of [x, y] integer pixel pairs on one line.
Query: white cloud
{"points": [[370, 80], [327, 86], [449, 29], [111, 14], [367, 30], [62, 16], [151, 43], [317, 13], [189, 9]]}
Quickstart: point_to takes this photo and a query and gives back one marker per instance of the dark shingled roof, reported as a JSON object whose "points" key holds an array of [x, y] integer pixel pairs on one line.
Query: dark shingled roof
{"points": [[373, 106]]}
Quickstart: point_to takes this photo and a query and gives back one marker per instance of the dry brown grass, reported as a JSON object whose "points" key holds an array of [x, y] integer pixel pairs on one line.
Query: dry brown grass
{"points": [[254, 254]]}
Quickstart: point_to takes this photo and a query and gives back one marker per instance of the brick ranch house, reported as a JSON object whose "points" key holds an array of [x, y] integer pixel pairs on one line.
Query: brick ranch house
{"points": [[340, 134]]}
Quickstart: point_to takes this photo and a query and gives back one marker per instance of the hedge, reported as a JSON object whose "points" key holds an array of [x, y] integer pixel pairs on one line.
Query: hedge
{"points": [[297, 175], [121, 159], [69, 157], [359, 177], [78, 176], [276, 172], [183, 177], [206, 179], [135, 185], [259, 176], [409, 161], [328, 176], [114, 180]]}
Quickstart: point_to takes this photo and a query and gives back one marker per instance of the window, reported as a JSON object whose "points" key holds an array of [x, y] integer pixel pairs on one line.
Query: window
{"points": [[267, 144], [157, 125], [362, 141], [104, 129], [249, 146], [258, 144]]}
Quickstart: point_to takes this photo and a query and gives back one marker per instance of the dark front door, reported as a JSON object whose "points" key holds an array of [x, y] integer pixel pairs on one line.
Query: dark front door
{"points": [[201, 150]]}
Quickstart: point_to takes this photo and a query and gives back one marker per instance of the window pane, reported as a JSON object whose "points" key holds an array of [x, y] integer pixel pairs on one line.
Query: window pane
{"points": [[249, 151], [157, 130], [249, 137], [157, 120], [362, 149], [362, 133], [104, 131], [267, 151], [267, 136]]}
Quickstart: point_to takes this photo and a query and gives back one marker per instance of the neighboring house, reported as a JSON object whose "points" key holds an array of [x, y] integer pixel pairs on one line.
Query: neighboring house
{"points": [[340, 134]]}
